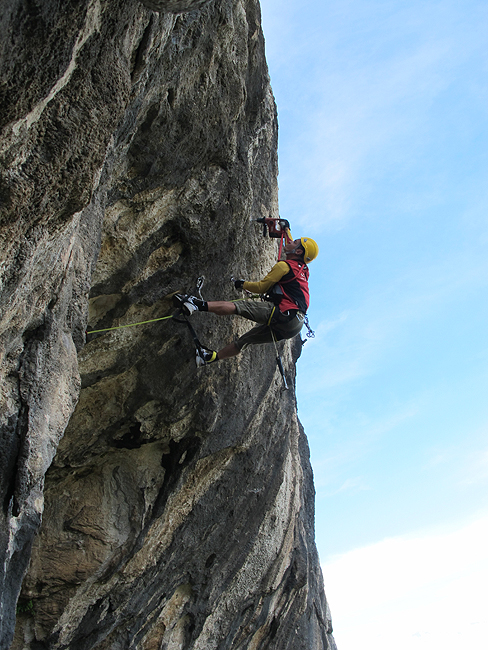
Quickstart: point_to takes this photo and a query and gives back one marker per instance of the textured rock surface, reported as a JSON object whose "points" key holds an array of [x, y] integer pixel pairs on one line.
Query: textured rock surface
{"points": [[174, 6], [178, 509]]}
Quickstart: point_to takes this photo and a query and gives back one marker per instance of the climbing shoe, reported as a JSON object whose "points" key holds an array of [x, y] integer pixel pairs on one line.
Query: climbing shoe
{"points": [[205, 356], [188, 304]]}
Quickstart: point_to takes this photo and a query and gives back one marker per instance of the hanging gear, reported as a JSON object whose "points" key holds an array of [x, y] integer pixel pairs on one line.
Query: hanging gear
{"points": [[200, 282], [310, 332], [274, 294]]}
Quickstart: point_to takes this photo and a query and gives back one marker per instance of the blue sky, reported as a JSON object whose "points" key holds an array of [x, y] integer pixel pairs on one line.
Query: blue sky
{"points": [[383, 154]]}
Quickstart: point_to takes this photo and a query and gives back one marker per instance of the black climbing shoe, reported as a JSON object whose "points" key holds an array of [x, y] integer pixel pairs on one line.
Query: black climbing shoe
{"points": [[206, 356], [186, 303]]}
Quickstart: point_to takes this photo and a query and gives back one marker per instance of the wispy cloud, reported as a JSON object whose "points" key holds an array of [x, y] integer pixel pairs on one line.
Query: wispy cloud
{"points": [[413, 592], [356, 484], [475, 470], [371, 119], [354, 343], [466, 458], [348, 449]]}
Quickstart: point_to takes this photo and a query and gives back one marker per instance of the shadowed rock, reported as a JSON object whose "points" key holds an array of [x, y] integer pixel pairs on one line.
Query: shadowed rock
{"points": [[174, 6]]}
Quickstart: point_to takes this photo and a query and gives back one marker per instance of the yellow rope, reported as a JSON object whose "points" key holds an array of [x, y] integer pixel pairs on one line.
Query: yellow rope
{"points": [[271, 318], [119, 327], [154, 320], [252, 296]]}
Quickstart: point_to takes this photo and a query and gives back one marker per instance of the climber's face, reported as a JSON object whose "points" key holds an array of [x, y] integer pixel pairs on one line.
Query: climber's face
{"points": [[294, 248]]}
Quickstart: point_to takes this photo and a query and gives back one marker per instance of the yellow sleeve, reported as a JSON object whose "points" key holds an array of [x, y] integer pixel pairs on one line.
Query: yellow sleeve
{"points": [[277, 272]]}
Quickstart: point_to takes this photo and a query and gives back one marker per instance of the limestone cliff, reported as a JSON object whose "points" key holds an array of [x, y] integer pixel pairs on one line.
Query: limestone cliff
{"points": [[138, 145]]}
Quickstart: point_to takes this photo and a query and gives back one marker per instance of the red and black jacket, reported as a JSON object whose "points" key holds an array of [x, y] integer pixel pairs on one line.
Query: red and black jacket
{"points": [[294, 286]]}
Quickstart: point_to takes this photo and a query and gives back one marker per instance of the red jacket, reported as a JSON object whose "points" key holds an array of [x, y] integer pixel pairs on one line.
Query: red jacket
{"points": [[294, 285]]}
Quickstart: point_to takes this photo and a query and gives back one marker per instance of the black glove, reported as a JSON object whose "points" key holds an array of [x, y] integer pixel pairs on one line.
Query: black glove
{"points": [[284, 223], [239, 284]]}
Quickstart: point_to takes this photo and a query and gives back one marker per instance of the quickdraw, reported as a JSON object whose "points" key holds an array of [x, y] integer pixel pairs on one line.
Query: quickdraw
{"points": [[198, 345], [310, 333], [200, 282]]}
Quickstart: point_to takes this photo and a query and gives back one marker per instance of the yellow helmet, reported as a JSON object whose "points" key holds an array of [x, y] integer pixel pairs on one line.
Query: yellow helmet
{"points": [[311, 249]]}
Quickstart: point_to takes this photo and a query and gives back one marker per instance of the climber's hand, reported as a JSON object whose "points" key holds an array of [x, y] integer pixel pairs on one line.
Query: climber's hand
{"points": [[239, 284]]}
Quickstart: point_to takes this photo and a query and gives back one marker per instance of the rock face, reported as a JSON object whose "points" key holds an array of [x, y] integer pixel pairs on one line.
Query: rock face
{"points": [[177, 505], [174, 6]]}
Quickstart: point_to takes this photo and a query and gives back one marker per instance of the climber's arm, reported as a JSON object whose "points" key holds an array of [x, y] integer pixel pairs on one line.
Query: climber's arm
{"points": [[277, 272]]}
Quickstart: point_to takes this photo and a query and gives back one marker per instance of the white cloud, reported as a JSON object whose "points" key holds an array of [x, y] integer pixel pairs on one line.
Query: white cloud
{"points": [[423, 592], [356, 484]]}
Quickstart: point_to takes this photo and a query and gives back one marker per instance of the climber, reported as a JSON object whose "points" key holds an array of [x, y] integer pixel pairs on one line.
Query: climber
{"points": [[281, 316]]}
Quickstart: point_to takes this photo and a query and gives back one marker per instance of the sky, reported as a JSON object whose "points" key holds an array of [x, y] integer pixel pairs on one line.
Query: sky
{"points": [[383, 156]]}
